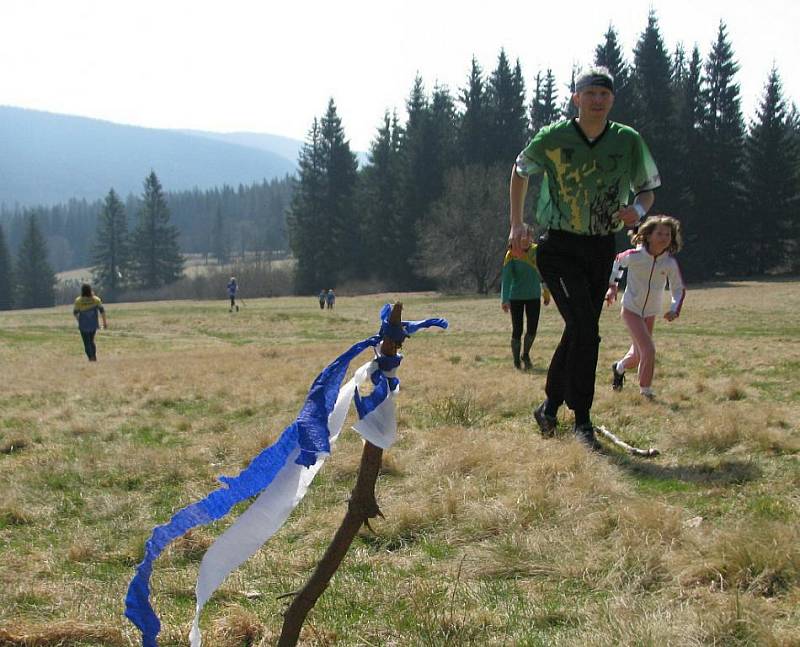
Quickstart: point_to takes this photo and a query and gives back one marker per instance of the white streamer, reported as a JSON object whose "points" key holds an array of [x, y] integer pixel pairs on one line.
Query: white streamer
{"points": [[274, 505]]}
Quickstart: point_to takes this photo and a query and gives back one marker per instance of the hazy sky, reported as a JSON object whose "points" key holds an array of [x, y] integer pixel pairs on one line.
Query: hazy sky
{"points": [[235, 65]]}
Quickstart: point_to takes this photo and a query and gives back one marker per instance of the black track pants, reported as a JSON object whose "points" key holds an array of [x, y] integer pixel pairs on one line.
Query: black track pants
{"points": [[88, 343], [530, 308], [576, 270]]}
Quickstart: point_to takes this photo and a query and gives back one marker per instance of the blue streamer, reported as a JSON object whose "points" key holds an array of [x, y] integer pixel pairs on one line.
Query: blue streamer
{"points": [[398, 333], [365, 405], [309, 432]]}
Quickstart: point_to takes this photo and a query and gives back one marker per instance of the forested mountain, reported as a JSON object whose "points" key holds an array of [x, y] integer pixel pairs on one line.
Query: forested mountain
{"points": [[47, 158]]}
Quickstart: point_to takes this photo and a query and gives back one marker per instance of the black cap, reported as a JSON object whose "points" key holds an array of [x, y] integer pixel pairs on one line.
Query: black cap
{"points": [[600, 78]]}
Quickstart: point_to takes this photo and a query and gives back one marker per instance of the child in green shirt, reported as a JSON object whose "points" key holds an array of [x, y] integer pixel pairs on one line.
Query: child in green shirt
{"points": [[520, 291]]}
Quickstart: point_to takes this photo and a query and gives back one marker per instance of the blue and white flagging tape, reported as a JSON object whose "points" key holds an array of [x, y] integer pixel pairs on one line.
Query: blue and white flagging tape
{"points": [[280, 475]]}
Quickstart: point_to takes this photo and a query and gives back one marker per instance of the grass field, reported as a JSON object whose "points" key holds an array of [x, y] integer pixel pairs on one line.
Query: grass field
{"points": [[492, 536]]}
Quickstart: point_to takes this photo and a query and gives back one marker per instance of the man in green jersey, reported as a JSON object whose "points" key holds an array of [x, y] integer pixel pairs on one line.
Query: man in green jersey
{"points": [[591, 167]]}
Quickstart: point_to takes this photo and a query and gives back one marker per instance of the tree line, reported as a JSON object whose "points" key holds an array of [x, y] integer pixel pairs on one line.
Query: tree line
{"points": [[147, 257], [253, 216], [430, 206]]}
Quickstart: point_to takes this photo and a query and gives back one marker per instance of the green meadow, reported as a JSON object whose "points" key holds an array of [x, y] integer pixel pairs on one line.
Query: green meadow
{"points": [[492, 535]]}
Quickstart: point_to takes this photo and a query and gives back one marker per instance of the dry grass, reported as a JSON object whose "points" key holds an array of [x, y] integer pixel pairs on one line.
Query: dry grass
{"points": [[492, 536], [62, 634]]}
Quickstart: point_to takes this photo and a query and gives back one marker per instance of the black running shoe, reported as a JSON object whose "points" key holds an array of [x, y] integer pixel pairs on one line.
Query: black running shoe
{"points": [[618, 379], [585, 434], [547, 424]]}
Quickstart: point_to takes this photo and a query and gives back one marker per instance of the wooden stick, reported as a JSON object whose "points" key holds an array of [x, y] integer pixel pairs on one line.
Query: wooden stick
{"points": [[636, 451], [361, 508]]}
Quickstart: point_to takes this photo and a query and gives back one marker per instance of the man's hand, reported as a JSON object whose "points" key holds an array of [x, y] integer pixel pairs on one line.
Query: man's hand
{"points": [[516, 237], [669, 315], [628, 215], [611, 294], [505, 307]]}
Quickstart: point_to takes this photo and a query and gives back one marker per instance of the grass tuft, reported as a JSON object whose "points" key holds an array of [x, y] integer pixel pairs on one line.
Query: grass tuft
{"points": [[14, 515], [236, 628], [738, 626], [13, 445], [762, 558], [81, 551], [734, 392], [459, 409], [192, 546]]}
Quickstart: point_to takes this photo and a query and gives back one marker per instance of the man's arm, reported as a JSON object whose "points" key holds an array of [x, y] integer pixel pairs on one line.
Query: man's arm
{"points": [[630, 215], [517, 192]]}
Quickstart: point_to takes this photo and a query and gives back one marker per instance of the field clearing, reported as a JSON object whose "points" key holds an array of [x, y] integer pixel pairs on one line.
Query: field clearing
{"points": [[194, 265], [493, 535]]}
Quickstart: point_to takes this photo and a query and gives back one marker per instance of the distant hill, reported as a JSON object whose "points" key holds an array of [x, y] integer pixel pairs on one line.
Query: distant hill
{"points": [[47, 158], [286, 146], [283, 146]]}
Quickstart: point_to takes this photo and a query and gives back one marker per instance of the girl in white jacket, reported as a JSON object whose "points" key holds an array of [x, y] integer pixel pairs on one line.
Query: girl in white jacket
{"points": [[650, 264]]}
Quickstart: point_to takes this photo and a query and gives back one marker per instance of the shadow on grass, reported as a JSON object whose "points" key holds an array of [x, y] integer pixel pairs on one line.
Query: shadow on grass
{"points": [[721, 473]]}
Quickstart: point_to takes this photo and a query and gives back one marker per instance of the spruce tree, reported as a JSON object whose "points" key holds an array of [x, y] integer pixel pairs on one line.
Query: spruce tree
{"points": [[110, 250], [422, 180], [34, 275], [651, 85], [474, 123], [568, 109], [609, 55], [793, 234], [155, 256], [380, 201], [307, 220], [772, 188], [508, 132], [544, 107], [325, 233], [341, 169], [723, 227], [688, 174], [442, 136], [6, 275]]}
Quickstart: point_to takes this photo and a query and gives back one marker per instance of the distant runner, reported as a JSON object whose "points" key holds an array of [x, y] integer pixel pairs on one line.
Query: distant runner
{"points": [[86, 310], [232, 289]]}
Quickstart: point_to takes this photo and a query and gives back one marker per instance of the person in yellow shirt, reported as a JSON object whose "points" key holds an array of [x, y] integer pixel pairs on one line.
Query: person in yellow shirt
{"points": [[88, 311]]}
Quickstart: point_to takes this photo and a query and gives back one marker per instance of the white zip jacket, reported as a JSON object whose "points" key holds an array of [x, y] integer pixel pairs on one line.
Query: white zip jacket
{"points": [[647, 277]]}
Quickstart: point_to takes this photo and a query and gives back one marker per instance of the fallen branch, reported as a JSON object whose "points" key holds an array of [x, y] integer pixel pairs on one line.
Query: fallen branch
{"points": [[636, 451]]}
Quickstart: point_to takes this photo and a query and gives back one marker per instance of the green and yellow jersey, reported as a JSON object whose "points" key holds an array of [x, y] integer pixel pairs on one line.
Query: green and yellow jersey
{"points": [[586, 182]]}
